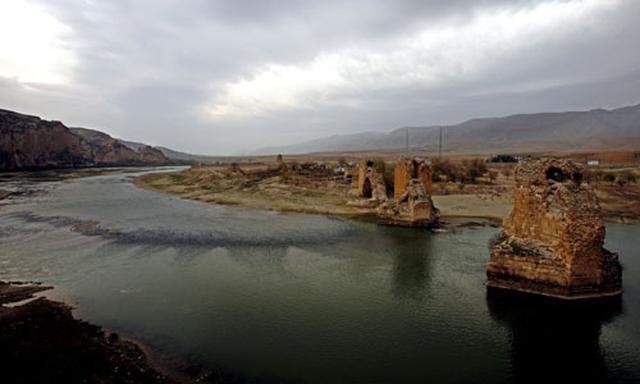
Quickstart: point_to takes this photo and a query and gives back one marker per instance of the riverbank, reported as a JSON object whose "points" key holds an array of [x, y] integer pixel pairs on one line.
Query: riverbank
{"points": [[41, 342], [282, 194], [285, 194]]}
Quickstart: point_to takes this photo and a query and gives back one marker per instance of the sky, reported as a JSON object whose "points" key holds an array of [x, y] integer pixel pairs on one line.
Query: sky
{"points": [[227, 77]]}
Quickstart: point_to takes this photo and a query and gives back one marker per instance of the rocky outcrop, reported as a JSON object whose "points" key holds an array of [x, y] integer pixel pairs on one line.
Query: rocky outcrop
{"points": [[106, 149], [150, 155], [28, 142], [110, 151], [412, 204], [552, 244]]}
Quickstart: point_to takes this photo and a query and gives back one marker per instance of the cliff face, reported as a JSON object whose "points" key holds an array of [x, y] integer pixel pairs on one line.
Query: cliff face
{"points": [[553, 241], [110, 151], [30, 142], [106, 149], [151, 155]]}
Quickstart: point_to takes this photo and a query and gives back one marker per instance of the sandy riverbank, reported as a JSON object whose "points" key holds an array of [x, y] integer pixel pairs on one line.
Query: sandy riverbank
{"points": [[492, 202]]}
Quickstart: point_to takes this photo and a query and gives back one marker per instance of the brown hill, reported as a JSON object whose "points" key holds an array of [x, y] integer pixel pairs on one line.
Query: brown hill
{"points": [[110, 151], [29, 142], [597, 128]]}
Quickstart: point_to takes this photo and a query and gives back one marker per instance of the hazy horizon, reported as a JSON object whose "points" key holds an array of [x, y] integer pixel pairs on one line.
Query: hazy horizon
{"points": [[221, 78]]}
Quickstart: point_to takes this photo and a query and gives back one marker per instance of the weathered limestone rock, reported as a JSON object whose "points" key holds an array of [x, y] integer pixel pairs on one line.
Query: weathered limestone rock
{"points": [[371, 183], [28, 142], [106, 149], [151, 155], [552, 244], [412, 204]]}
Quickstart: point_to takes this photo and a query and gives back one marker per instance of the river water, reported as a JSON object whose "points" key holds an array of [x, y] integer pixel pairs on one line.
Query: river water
{"points": [[308, 298]]}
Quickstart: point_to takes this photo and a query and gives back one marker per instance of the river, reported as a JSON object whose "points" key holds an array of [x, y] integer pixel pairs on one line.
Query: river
{"points": [[307, 298]]}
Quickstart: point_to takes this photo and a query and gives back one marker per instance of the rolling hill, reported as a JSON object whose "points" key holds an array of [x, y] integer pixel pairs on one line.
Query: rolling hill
{"points": [[598, 128]]}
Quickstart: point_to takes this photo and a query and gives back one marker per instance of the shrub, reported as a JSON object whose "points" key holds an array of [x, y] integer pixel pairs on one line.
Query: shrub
{"points": [[628, 177], [445, 168], [609, 177], [503, 159]]}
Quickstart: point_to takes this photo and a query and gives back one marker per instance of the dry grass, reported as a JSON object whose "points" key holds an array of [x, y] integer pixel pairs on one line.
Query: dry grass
{"points": [[487, 197]]}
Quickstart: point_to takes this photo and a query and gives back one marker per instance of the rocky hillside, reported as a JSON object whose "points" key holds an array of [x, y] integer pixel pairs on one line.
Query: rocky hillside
{"points": [[110, 151], [28, 142], [106, 149], [598, 128], [182, 157]]}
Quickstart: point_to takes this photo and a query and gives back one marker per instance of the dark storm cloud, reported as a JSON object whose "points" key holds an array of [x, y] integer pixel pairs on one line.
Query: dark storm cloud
{"points": [[228, 76]]}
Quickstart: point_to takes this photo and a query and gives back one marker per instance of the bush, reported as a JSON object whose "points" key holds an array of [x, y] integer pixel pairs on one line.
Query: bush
{"points": [[472, 170], [628, 177], [445, 169], [503, 159], [609, 177]]}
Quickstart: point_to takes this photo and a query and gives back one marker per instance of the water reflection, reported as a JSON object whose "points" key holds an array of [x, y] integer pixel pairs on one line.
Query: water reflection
{"points": [[553, 339], [411, 264]]}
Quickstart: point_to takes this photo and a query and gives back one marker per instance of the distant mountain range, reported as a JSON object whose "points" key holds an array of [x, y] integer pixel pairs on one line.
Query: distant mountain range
{"points": [[181, 156], [28, 142], [598, 128]]}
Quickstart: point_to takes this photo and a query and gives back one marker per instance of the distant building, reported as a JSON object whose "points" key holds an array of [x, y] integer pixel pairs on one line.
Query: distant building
{"points": [[593, 162]]}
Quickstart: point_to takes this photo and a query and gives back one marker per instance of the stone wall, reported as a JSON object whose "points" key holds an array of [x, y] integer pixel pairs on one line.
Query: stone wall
{"points": [[412, 204], [371, 184], [552, 243], [408, 169]]}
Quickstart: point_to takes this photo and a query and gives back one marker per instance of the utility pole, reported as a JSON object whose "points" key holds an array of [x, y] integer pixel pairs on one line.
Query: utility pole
{"points": [[440, 144], [406, 140]]}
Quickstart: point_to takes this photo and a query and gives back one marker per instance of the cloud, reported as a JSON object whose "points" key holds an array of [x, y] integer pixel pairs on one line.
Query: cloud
{"points": [[222, 77], [32, 41], [430, 58]]}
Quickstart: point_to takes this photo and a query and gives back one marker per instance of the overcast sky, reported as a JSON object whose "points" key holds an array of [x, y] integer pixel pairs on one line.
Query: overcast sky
{"points": [[222, 77]]}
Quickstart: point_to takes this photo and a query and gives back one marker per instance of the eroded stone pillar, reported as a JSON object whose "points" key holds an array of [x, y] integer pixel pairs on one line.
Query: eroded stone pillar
{"points": [[412, 204], [552, 243]]}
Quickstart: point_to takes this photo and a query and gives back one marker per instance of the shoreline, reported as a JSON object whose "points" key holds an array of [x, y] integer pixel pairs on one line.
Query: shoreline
{"points": [[50, 343], [364, 214], [491, 207]]}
